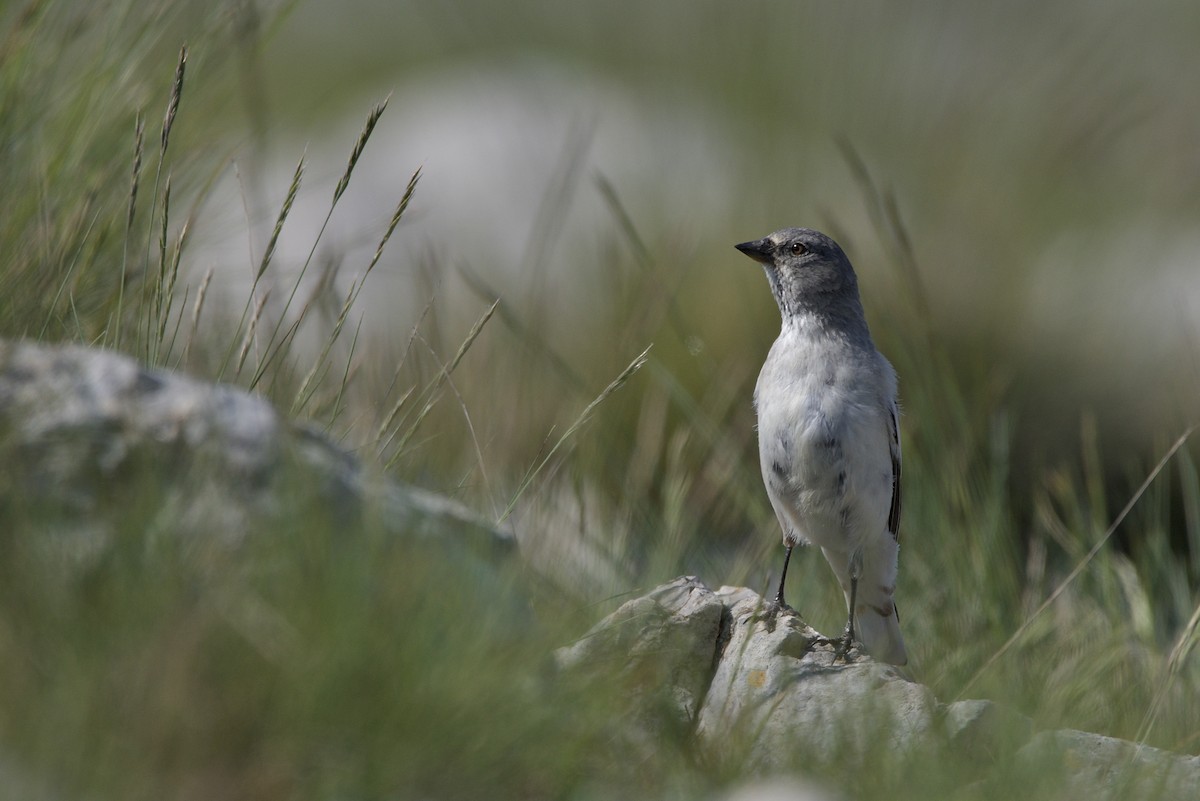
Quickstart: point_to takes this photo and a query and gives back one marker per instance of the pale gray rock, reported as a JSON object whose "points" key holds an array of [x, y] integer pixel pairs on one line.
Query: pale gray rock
{"points": [[770, 698], [778, 693], [984, 729], [85, 431], [763, 696], [667, 638], [1099, 768]]}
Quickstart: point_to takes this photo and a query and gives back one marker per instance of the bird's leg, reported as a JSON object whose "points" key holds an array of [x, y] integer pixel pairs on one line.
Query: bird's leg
{"points": [[773, 608], [787, 556], [843, 651]]}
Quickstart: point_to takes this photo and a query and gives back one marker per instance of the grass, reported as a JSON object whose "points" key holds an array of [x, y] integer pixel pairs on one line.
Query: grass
{"points": [[310, 664]]}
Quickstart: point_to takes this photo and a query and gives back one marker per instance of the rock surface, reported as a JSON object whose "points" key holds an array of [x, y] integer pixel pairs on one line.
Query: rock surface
{"points": [[771, 697], [77, 423], [669, 637], [778, 687], [1102, 767]]}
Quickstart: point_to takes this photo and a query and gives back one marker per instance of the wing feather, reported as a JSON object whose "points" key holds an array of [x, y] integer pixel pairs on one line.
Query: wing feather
{"points": [[894, 514]]}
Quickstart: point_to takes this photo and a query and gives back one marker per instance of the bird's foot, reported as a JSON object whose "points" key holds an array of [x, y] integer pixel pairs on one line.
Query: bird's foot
{"points": [[772, 609], [845, 646], [844, 650]]}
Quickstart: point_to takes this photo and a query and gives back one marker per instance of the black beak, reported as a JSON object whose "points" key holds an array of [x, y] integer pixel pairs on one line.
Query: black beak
{"points": [[759, 250]]}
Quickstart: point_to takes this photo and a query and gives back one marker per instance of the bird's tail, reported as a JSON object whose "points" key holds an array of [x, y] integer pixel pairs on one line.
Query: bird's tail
{"points": [[880, 632], [876, 621]]}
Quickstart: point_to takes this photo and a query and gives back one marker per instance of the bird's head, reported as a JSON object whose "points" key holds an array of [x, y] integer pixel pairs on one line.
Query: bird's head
{"points": [[807, 269]]}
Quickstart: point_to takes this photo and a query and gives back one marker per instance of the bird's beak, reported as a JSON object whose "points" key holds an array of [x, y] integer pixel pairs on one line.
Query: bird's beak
{"points": [[759, 250]]}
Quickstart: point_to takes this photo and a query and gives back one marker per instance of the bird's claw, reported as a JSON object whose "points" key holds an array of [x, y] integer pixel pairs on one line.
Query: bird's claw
{"points": [[843, 647], [771, 610]]}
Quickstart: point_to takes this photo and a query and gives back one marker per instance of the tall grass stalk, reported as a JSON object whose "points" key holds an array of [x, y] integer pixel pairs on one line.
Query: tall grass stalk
{"points": [[346, 378], [532, 473], [248, 339], [320, 367], [139, 131], [148, 287], [317, 372], [70, 274], [201, 296], [429, 393], [252, 297], [382, 437], [1082, 564], [1182, 648], [343, 182]]}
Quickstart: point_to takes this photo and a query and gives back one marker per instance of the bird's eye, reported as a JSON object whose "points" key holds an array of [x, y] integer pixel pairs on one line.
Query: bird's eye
{"points": [[798, 249]]}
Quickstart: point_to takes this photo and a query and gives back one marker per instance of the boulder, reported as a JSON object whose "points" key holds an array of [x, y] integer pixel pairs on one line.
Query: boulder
{"points": [[767, 696], [778, 693], [1100, 768], [83, 432], [667, 638]]}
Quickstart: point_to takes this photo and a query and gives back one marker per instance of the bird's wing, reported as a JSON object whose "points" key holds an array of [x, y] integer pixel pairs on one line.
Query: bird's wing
{"points": [[894, 514]]}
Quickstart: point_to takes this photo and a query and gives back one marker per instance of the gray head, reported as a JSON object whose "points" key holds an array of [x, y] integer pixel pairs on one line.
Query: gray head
{"points": [[809, 273]]}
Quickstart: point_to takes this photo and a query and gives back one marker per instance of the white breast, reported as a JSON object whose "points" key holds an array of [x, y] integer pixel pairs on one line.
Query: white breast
{"points": [[824, 442]]}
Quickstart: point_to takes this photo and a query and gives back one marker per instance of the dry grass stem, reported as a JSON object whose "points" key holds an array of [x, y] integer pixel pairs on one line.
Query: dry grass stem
{"points": [[282, 346], [396, 215], [139, 131], [1179, 654], [166, 351], [412, 336], [284, 211], [382, 440], [359, 147], [616, 384], [169, 290], [320, 366], [472, 335], [348, 373], [250, 331], [196, 310], [176, 94], [430, 391], [1079, 568]]}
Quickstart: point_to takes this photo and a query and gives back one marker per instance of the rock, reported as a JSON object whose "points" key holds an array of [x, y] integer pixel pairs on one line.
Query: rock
{"points": [[667, 638], [984, 729], [1099, 768], [777, 692], [771, 699], [84, 427], [773, 691]]}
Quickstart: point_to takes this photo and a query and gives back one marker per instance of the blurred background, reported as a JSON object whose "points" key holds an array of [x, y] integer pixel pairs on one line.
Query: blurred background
{"points": [[1016, 187], [1041, 161], [1015, 184]]}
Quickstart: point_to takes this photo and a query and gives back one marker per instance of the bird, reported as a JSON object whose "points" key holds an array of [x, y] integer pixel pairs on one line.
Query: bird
{"points": [[829, 435]]}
